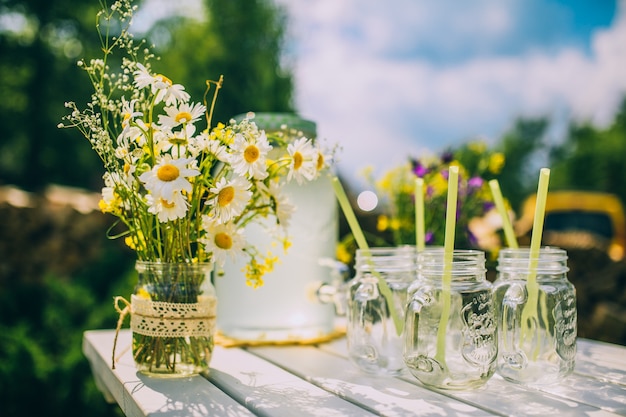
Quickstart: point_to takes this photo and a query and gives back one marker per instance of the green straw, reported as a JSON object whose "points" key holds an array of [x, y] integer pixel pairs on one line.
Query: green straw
{"points": [[448, 249], [419, 214], [530, 318], [362, 244], [540, 209], [509, 235]]}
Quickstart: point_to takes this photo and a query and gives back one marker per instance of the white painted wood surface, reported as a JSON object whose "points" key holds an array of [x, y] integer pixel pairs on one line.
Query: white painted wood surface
{"points": [[320, 381]]}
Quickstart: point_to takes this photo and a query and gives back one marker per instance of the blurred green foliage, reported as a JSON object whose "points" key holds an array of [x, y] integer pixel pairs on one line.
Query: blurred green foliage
{"points": [[593, 159], [588, 158]]}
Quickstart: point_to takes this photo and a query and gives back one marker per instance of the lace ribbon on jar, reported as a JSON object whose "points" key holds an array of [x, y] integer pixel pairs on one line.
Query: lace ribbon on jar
{"points": [[163, 319]]}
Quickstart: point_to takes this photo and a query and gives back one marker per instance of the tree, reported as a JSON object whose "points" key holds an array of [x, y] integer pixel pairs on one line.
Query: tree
{"points": [[592, 159], [520, 146], [39, 51], [242, 40]]}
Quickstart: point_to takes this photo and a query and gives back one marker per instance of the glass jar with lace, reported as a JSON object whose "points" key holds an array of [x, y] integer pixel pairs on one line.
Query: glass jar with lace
{"points": [[173, 310]]}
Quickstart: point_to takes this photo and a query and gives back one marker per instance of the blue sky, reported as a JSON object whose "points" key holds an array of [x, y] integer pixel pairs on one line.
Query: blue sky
{"points": [[400, 78], [391, 79]]}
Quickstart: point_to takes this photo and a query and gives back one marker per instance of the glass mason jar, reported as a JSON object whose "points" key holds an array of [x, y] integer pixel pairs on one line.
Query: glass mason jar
{"points": [[537, 336], [450, 337], [373, 342], [173, 309]]}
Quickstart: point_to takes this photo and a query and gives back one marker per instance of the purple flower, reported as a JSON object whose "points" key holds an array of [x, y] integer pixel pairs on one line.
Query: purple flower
{"points": [[447, 157], [419, 169], [429, 238], [475, 182]]}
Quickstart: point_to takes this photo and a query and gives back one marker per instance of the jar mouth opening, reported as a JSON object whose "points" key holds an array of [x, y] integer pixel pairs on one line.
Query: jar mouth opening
{"points": [[550, 260], [465, 262], [391, 258], [525, 252]]}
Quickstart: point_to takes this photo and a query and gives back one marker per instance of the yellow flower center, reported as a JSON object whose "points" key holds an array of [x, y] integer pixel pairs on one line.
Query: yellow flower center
{"points": [[167, 204], [126, 116], [183, 116], [176, 140], [297, 160], [223, 240], [165, 79], [168, 172], [126, 168], [251, 154], [320, 161], [225, 196]]}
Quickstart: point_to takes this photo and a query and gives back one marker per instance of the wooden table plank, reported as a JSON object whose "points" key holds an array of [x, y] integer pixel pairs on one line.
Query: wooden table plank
{"points": [[576, 395], [139, 395], [504, 398], [602, 352], [600, 360], [384, 395], [605, 395], [321, 381], [268, 390]]}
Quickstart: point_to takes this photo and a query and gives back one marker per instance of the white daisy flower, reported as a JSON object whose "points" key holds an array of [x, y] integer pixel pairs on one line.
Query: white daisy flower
{"points": [[224, 240], [324, 159], [160, 85], [136, 132], [230, 198], [185, 113], [113, 182], [176, 142], [169, 92], [204, 143], [304, 159], [143, 78], [128, 112], [108, 195], [283, 207], [168, 210], [169, 176], [248, 157]]}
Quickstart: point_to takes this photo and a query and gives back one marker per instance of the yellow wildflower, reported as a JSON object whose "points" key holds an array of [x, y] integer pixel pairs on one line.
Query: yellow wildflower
{"points": [[496, 162], [142, 293], [343, 254], [254, 273], [478, 147], [383, 223]]}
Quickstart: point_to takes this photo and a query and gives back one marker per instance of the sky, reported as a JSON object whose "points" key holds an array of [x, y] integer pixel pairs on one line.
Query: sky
{"points": [[388, 80]]}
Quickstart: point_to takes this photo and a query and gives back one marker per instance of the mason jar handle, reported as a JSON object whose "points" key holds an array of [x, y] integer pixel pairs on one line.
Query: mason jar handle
{"points": [[510, 326], [411, 320], [365, 298]]}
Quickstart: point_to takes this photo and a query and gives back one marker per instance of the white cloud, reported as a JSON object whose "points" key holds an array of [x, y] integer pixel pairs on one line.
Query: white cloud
{"points": [[152, 11], [364, 73]]}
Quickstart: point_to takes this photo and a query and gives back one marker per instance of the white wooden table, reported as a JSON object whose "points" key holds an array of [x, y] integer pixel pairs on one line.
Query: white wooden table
{"points": [[320, 381]]}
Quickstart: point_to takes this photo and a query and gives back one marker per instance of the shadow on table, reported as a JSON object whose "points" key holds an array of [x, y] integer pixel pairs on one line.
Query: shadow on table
{"points": [[190, 399]]}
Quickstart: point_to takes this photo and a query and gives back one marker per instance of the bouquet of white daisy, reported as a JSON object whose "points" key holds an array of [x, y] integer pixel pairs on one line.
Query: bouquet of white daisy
{"points": [[182, 189]]}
